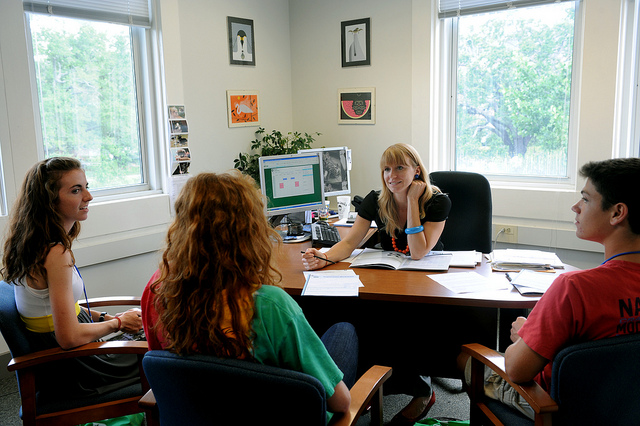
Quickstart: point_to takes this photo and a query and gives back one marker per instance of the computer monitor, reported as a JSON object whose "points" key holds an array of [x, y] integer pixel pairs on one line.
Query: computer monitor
{"points": [[292, 183], [336, 163]]}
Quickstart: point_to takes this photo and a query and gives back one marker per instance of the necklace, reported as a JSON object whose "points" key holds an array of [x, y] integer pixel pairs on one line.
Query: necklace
{"points": [[395, 248], [616, 255]]}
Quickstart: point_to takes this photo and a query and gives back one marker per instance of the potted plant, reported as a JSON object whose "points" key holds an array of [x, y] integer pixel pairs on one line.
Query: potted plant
{"points": [[274, 143]]}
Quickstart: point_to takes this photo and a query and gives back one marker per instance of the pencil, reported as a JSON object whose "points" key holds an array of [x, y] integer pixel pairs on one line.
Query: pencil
{"points": [[321, 258]]}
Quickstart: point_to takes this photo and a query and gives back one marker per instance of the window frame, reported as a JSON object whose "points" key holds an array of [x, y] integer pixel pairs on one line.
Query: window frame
{"points": [[444, 154], [627, 121], [146, 74]]}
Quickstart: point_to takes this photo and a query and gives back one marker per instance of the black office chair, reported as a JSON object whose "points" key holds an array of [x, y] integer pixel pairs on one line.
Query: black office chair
{"points": [[469, 224], [60, 409], [592, 383], [205, 390]]}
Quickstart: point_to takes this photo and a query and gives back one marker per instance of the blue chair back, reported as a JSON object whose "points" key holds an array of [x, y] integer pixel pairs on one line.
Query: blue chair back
{"points": [[205, 390], [11, 325], [597, 382], [469, 224]]}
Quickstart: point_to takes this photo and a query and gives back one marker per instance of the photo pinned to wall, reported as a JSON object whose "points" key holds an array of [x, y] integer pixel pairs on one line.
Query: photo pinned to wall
{"points": [[243, 108], [176, 112], [179, 141], [356, 42], [357, 106], [179, 152], [241, 41], [178, 127]]}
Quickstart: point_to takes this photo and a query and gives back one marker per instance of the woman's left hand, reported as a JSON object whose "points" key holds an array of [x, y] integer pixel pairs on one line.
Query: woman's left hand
{"points": [[416, 190]]}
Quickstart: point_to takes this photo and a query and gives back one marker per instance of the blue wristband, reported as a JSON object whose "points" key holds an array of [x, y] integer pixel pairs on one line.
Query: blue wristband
{"points": [[415, 230]]}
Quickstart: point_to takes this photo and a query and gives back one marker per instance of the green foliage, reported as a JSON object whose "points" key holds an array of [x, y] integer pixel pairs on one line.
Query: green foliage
{"points": [[88, 105], [274, 143], [514, 86]]}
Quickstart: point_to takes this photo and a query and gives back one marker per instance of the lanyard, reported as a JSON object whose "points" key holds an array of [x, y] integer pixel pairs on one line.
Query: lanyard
{"points": [[85, 292], [621, 254]]}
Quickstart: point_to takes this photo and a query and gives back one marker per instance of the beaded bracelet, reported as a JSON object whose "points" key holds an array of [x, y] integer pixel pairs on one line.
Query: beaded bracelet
{"points": [[415, 230]]}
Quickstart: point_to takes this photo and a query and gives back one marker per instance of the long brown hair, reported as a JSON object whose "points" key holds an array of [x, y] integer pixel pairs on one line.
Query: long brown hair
{"points": [[218, 253], [35, 224], [399, 154]]}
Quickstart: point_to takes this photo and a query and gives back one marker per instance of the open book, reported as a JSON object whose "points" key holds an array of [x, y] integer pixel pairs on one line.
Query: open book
{"points": [[393, 260]]}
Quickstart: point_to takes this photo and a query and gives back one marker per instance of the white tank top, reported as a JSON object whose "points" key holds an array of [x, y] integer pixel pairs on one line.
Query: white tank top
{"points": [[34, 304]]}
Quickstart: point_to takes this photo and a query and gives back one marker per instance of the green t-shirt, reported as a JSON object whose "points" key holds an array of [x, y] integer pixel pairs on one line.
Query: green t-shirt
{"points": [[285, 339]]}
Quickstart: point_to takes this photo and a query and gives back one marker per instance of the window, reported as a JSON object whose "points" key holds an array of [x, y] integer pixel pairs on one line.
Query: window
{"points": [[92, 99], [628, 107], [510, 94]]}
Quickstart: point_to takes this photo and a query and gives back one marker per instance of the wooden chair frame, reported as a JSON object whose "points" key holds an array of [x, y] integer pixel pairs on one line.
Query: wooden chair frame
{"points": [[26, 365], [540, 401]]}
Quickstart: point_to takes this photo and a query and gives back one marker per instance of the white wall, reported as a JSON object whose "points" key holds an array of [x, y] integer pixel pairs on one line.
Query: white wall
{"points": [[198, 73], [402, 70], [318, 74]]}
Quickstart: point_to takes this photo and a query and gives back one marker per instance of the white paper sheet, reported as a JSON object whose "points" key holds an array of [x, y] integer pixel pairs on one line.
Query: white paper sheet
{"points": [[331, 283]]}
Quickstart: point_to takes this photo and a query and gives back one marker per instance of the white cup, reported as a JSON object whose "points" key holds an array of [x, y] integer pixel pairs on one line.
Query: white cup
{"points": [[344, 206]]}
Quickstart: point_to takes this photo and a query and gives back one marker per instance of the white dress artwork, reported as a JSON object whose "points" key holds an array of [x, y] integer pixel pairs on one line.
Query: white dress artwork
{"points": [[355, 49]]}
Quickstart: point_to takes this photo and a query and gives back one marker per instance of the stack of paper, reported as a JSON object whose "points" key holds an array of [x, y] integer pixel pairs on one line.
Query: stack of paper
{"points": [[516, 260], [331, 283]]}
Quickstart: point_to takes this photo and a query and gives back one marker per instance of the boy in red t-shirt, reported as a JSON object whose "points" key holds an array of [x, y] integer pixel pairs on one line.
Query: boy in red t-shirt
{"points": [[582, 305]]}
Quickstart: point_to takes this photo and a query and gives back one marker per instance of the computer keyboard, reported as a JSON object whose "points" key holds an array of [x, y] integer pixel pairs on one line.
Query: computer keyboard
{"points": [[324, 235], [137, 337]]}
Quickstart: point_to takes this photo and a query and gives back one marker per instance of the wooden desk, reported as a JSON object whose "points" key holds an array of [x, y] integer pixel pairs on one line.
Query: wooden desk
{"points": [[405, 317], [404, 286]]}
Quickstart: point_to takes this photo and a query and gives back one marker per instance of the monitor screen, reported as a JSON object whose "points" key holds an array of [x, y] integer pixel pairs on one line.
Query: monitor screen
{"points": [[336, 163], [292, 182]]}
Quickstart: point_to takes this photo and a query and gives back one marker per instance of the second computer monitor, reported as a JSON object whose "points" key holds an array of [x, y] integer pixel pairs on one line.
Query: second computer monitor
{"points": [[292, 182], [336, 164]]}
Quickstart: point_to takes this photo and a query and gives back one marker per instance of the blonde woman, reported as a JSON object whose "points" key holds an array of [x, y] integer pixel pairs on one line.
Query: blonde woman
{"points": [[410, 214]]}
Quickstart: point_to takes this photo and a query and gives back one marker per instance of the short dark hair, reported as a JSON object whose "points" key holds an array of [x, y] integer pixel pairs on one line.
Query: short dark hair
{"points": [[617, 181]]}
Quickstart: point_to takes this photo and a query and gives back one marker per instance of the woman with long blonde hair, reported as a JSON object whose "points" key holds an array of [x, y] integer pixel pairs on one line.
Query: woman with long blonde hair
{"points": [[215, 291], [410, 214]]}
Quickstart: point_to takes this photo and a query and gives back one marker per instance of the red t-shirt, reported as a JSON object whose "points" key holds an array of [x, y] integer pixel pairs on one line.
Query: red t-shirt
{"points": [[582, 306], [152, 327]]}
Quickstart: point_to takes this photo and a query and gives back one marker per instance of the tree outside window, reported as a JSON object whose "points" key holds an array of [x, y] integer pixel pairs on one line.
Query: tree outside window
{"points": [[514, 71], [87, 94]]}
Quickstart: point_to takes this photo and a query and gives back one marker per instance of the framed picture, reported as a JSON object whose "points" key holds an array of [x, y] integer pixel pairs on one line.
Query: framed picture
{"points": [[357, 106], [242, 45], [243, 108], [356, 42]]}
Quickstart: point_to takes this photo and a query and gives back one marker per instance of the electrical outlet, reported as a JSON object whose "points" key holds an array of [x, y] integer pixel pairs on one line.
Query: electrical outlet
{"points": [[509, 235]]}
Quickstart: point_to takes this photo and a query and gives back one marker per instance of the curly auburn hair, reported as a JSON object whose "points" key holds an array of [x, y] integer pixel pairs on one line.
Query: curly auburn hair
{"points": [[401, 154], [35, 224], [218, 253]]}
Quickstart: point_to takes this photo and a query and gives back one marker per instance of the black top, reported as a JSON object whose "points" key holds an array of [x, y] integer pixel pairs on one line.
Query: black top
{"points": [[436, 210]]}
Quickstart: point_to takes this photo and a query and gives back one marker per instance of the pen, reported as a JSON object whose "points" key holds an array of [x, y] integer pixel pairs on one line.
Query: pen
{"points": [[507, 275], [321, 258]]}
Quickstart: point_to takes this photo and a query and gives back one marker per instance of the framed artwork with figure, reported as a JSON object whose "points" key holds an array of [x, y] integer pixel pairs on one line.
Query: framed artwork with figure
{"points": [[357, 106], [356, 42], [242, 46], [243, 108]]}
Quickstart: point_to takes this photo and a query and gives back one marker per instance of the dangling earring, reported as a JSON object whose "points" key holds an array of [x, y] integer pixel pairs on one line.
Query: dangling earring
{"points": [[416, 176]]}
